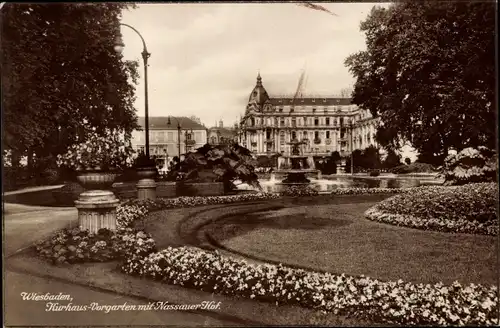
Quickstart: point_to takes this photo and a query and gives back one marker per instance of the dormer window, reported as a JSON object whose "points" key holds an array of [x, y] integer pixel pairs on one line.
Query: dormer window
{"points": [[314, 110]]}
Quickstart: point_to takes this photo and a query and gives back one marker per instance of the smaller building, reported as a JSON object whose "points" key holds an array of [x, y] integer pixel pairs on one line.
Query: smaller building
{"points": [[219, 134], [169, 136]]}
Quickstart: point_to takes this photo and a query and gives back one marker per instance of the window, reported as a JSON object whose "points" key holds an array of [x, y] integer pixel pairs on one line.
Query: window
{"points": [[252, 121], [170, 136], [141, 149], [281, 110], [305, 121], [282, 137], [316, 122], [291, 109], [304, 134], [314, 110], [276, 121], [294, 122], [268, 134], [327, 134], [282, 121], [316, 135], [198, 137], [294, 135], [188, 136], [327, 121], [213, 140]]}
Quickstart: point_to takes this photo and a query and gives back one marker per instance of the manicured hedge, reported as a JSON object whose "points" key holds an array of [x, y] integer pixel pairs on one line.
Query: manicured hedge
{"points": [[469, 208]]}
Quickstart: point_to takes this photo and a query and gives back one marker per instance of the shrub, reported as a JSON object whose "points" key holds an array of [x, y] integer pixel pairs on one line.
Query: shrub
{"points": [[49, 176], [374, 173], [68, 193], [470, 208], [98, 151], [413, 168], [470, 165]]}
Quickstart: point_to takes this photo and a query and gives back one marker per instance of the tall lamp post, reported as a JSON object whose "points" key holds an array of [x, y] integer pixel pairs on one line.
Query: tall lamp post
{"points": [[179, 139], [352, 158], [119, 45]]}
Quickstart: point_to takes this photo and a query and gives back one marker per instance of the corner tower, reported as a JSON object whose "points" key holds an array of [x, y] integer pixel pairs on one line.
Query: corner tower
{"points": [[258, 98]]}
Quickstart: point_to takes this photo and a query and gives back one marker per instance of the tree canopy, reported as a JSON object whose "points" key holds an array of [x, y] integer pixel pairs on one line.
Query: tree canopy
{"points": [[429, 74], [61, 75]]}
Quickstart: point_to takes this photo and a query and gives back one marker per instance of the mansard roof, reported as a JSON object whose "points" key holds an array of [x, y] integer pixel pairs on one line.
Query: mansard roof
{"points": [[161, 123], [311, 101]]}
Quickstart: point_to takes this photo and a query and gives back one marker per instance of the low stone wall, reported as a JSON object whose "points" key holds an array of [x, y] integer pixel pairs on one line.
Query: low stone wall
{"points": [[166, 189], [200, 189], [35, 198]]}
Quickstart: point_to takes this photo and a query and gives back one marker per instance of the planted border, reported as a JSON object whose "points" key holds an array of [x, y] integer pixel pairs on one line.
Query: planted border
{"points": [[470, 208], [363, 297]]}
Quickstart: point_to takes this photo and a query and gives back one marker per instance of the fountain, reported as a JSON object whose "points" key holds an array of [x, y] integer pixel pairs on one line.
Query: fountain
{"points": [[299, 165]]}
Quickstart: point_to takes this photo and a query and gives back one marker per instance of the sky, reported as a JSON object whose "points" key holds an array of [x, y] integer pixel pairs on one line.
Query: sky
{"points": [[205, 57]]}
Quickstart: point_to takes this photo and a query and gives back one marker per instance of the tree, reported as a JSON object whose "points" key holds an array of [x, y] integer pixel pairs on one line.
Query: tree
{"points": [[61, 76], [429, 74], [358, 160], [392, 159], [371, 157], [347, 167], [346, 92], [330, 167]]}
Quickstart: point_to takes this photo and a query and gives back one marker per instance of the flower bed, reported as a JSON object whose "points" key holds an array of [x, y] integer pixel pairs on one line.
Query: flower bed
{"points": [[389, 302], [469, 208], [179, 202], [299, 191], [364, 191], [378, 301], [77, 246]]}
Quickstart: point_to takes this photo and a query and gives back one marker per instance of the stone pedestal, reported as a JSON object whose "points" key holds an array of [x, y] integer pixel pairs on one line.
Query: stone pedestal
{"points": [[146, 189], [97, 210], [146, 186]]}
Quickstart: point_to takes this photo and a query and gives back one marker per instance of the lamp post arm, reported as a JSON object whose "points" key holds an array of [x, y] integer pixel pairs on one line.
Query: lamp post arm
{"points": [[145, 56], [139, 34]]}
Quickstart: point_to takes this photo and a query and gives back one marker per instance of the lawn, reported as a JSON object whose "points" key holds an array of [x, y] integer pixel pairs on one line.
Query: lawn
{"points": [[334, 236]]}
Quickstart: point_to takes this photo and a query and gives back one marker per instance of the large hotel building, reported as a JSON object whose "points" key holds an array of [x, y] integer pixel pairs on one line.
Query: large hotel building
{"points": [[324, 124]]}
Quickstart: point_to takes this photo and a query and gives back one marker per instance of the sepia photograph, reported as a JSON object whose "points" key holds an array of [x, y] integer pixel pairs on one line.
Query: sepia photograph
{"points": [[250, 164]]}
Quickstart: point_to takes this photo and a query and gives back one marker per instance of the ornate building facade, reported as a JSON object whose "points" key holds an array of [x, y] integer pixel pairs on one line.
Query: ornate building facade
{"points": [[325, 124]]}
